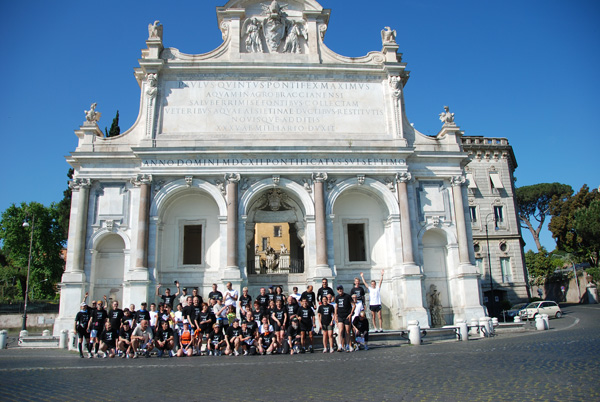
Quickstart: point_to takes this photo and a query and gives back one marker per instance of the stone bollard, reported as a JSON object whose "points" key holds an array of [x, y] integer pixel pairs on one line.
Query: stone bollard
{"points": [[414, 333], [483, 327], [72, 340], [23, 334], [46, 332], [3, 337], [592, 294], [63, 340], [517, 318], [546, 321], [540, 325], [474, 329], [463, 330]]}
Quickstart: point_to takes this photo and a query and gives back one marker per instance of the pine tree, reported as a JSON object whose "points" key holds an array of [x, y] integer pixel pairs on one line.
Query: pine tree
{"points": [[114, 127]]}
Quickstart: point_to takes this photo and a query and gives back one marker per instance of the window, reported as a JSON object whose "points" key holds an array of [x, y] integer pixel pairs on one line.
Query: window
{"points": [[498, 215], [192, 245], [495, 179], [471, 181], [356, 242], [479, 265], [276, 231], [473, 212], [265, 243], [506, 271]]}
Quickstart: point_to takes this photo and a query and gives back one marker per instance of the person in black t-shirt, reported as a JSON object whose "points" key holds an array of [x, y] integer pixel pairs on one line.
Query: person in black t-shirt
{"points": [[271, 293], [291, 309], [125, 340], [252, 325], [195, 313], [293, 338], [234, 334], [309, 295], [258, 311], [245, 300], [247, 339], [262, 299], [279, 295], [96, 325], [216, 341], [168, 298], [267, 341], [344, 308], [115, 315], [165, 339], [188, 310], [361, 330], [324, 290], [325, 314], [358, 290], [215, 294], [108, 340], [142, 314], [82, 320], [307, 322], [279, 321]]}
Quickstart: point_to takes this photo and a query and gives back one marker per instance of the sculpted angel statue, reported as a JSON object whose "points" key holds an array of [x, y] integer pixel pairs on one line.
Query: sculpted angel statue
{"points": [[155, 31], [388, 36], [446, 117], [252, 28], [292, 43]]}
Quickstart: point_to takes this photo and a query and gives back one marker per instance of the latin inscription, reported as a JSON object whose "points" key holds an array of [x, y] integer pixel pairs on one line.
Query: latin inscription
{"points": [[273, 162], [272, 107]]}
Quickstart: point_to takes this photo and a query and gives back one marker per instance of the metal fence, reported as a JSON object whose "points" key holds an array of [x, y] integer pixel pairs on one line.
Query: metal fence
{"points": [[296, 267], [33, 307]]}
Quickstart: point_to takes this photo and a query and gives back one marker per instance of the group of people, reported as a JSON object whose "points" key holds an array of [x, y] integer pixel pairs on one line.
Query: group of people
{"points": [[230, 323]]}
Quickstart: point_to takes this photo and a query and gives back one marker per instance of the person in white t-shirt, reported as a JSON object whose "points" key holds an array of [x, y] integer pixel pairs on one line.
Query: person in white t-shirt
{"points": [[231, 296], [375, 300], [295, 293]]}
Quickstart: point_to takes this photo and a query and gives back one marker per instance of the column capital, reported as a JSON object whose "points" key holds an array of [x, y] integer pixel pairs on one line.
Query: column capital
{"points": [[141, 179], [78, 184], [458, 181], [319, 177], [403, 177], [232, 177]]}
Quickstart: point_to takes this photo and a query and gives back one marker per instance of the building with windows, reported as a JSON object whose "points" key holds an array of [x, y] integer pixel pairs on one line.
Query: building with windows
{"points": [[274, 160]]}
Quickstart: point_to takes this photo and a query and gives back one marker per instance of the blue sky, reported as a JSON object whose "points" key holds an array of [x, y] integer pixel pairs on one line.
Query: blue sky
{"points": [[524, 70]]}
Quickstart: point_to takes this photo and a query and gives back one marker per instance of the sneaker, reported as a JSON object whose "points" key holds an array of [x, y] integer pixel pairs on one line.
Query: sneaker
{"points": [[81, 355], [269, 352], [171, 354], [90, 355], [209, 353], [124, 355], [340, 349], [380, 329], [104, 355], [135, 356], [332, 350], [325, 350], [245, 353], [235, 352]]}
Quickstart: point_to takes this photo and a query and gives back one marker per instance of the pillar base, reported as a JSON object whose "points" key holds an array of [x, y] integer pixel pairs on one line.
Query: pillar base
{"points": [[323, 271]]}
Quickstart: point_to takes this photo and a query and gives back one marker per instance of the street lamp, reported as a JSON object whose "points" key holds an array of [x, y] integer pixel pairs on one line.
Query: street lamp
{"points": [[487, 241], [26, 225]]}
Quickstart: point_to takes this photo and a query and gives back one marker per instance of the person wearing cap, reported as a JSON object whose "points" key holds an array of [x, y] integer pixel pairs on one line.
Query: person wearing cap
{"points": [[216, 340], [186, 346], [125, 345], [183, 296], [344, 307], [81, 328], [234, 335], [143, 338], [271, 294]]}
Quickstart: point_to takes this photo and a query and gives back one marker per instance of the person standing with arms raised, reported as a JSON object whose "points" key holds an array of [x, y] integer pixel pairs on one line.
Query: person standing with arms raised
{"points": [[375, 300]]}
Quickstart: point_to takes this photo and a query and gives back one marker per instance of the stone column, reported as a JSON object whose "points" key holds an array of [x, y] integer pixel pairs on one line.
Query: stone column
{"points": [[405, 227], [141, 252], [319, 179], [232, 219], [459, 213], [83, 187]]}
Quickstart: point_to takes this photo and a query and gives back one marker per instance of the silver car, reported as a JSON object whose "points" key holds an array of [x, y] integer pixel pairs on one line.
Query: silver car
{"points": [[541, 307]]}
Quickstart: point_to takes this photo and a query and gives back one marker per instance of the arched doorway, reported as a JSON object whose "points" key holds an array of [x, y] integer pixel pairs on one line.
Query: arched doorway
{"points": [[108, 268]]}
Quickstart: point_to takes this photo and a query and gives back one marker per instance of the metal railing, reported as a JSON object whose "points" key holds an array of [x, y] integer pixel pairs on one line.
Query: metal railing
{"points": [[296, 266]]}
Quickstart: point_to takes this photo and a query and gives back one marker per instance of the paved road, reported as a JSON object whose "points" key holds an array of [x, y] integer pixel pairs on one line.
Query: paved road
{"points": [[561, 364]]}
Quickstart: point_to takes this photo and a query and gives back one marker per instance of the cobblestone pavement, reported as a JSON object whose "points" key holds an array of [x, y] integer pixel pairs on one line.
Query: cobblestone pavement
{"points": [[561, 364]]}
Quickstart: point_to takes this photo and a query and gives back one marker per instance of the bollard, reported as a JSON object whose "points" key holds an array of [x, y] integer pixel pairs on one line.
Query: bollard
{"points": [[474, 327], [414, 332], [23, 334], [62, 342], [463, 330], [540, 325], [495, 322], [72, 340], [517, 318], [3, 337], [546, 321], [46, 332], [483, 327]]}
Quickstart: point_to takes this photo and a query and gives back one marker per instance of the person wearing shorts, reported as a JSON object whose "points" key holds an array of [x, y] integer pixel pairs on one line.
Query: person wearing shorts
{"points": [[279, 320], [325, 314], [108, 340], [82, 320], [267, 342], [234, 334], [143, 338], [375, 300], [344, 307], [293, 338], [96, 324], [165, 339], [125, 345], [186, 345], [360, 325], [307, 322], [216, 341]]}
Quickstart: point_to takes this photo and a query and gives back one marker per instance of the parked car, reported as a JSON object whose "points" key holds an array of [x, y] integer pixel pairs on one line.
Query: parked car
{"points": [[515, 310], [541, 307]]}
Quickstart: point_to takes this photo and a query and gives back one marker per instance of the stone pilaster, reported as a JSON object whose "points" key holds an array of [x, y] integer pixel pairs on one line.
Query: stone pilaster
{"points": [[141, 252], [405, 227], [83, 187], [232, 180], [459, 214], [320, 225]]}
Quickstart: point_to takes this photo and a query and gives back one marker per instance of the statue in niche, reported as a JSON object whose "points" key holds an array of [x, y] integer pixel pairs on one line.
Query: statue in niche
{"points": [[292, 41], [283, 249], [435, 307], [91, 116], [274, 25], [155, 31], [271, 260], [446, 117], [252, 28], [152, 83], [388, 36]]}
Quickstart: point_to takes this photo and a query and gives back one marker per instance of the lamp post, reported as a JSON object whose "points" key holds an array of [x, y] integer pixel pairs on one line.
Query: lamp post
{"points": [[487, 241], [26, 225]]}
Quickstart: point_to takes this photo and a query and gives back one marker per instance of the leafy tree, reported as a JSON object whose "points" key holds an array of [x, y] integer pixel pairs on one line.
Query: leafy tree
{"points": [[534, 204], [573, 227], [540, 264], [114, 127], [46, 263], [63, 207]]}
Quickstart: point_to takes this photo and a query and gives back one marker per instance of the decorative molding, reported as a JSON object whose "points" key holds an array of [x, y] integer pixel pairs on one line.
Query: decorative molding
{"points": [[331, 184], [319, 177], [232, 177], [220, 184], [307, 184], [403, 177], [361, 179], [390, 184], [189, 180], [141, 179], [276, 179], [78, 184], [457, 181]]}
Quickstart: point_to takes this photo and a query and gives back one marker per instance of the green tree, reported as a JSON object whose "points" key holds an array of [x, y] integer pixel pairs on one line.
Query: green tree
{"points": [[63, 207], [534, 204], [48, 239], [114, 127], [573, 227]]}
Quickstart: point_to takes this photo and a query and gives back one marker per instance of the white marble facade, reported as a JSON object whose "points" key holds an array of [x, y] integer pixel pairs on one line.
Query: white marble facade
{"points": [[272, 126]]}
